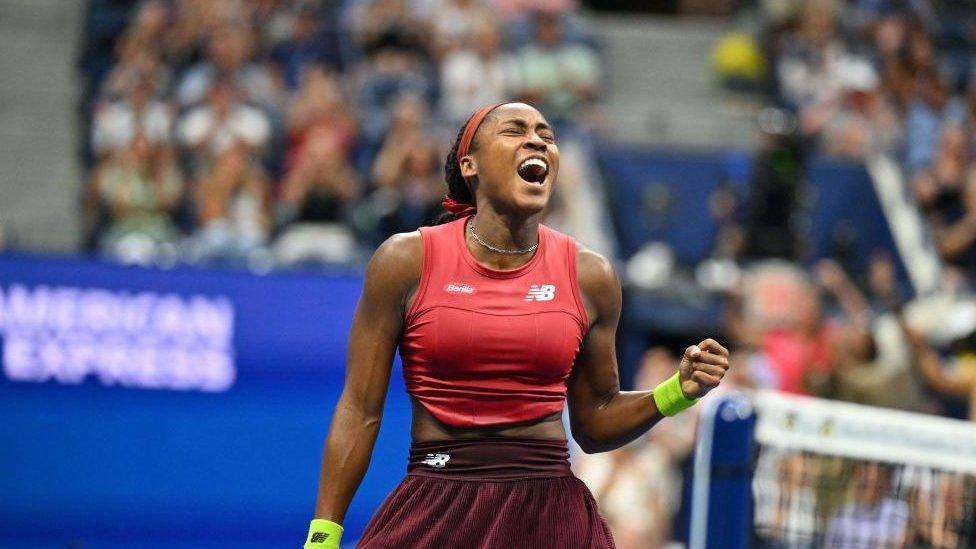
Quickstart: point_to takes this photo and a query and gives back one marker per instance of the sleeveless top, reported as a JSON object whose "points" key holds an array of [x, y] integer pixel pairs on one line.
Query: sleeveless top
{"points": [[483, 347]]}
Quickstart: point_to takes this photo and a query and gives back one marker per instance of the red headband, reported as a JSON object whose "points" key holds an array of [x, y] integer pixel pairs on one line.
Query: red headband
{"points": [[471, 128], [460, 209]]}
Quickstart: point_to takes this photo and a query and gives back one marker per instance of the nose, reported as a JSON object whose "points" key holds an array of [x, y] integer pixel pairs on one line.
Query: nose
{"points": [[536, 143]]}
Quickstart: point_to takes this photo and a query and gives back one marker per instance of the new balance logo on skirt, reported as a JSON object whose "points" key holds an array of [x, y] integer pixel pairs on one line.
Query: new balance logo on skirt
{"points": [[437, 461], [544, 292]]}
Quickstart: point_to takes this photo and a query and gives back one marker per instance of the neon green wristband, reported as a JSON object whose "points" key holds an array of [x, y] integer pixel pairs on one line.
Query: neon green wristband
{"points": [[323, 534], [669, 398]]}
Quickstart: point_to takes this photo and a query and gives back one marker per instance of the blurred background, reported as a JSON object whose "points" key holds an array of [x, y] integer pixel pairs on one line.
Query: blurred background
{"points": [[189, 190]]}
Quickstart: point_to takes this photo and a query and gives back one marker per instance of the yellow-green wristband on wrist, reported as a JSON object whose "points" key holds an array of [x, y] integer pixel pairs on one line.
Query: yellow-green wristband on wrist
{"points": [[323, 534], [669, 398]]}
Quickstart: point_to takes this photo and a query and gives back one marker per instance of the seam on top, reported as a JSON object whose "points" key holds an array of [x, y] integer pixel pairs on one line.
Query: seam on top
{"points": [[563, 311], [574, 282], [425, 258]]}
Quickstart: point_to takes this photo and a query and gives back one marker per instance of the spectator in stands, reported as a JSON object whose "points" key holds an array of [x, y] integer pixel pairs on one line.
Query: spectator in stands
{"points": [[229, 59], [455, 21], [776, 192], [786, 501], [873, 518], [784, 318], [316, 202], [138, 187], [374, 21], [945, 518], [232, 202], [103, 25], [955, 228], [867, 367], [215, 127], [407, 176], [520, 11], [884, 288], [192, 24], [308, 45], [956, 383], [557, 76], [319, 106], [150, 25], [857, 120], [808, 57], [924, 119], [137, 61], [478, 74], [117, 123], [396, 66]]}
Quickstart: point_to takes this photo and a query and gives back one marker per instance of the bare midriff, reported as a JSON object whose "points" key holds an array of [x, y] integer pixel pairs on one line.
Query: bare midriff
{"points": [[426, 428]]}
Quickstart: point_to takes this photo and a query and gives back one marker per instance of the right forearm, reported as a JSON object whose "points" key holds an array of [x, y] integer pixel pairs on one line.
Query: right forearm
{"points": [[345, 460]]}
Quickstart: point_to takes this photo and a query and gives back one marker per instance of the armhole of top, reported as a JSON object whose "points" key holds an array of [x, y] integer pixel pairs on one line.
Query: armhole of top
{"points": [[574, 279], [424, 276]]}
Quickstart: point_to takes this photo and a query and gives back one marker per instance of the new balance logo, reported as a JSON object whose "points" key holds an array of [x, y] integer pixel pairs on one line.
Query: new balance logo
{"points": [[544, 292], [457, 288], [319, 537], [437, 461]]}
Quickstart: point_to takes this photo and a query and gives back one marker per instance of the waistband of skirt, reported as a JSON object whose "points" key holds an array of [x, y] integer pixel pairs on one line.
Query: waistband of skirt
{"points": [[494, 459]]}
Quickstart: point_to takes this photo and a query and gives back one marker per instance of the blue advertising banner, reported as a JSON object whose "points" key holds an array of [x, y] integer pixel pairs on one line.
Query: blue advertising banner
{"points": [[182, 408]]}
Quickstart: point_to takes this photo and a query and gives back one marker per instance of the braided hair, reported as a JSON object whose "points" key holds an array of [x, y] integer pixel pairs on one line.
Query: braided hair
{"points": [[457, 188]]}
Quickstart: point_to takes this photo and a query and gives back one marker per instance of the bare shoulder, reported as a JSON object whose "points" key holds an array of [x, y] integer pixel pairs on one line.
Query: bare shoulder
{"points": [[397, 262], [594, 270], [598, 283]]}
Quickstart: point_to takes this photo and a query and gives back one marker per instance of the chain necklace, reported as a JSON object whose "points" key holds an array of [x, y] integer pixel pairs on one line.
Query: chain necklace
{"points": [[477, 238]]}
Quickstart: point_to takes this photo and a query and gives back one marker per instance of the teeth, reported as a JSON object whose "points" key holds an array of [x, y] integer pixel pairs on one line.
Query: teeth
{"points": [[534, 162]]}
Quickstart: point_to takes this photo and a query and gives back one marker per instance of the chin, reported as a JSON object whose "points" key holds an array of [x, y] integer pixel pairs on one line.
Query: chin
{"points": [[532, 205]]}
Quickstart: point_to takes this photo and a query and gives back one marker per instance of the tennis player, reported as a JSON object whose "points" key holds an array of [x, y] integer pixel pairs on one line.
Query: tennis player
{"points": [[498, 319]]}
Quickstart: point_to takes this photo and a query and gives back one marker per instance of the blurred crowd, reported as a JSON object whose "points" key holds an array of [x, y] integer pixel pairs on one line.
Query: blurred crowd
{"points": [[847, 80], [887, 76], [282, 132], [854, 79]]}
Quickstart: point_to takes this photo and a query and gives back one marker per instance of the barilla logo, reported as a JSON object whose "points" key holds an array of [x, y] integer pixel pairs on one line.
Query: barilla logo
{"points": [[457, 288]]}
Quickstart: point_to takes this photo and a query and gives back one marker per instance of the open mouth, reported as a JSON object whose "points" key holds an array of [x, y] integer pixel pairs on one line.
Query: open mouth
{"points": [[534, 170]]}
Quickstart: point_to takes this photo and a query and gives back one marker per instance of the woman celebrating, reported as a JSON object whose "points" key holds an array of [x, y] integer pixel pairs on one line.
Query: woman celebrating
{"points": [[498, 319]]}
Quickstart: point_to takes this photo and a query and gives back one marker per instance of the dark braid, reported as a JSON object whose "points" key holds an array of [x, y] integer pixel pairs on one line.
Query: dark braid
{"points": [[457, 188]]}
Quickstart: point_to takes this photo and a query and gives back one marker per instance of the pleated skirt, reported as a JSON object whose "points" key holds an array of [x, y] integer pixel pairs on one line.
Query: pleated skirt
{"points": [[489, 493]]}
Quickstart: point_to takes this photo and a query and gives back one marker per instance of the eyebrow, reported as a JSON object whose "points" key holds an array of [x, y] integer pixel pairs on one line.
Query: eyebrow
{"points": [[520, 122]]}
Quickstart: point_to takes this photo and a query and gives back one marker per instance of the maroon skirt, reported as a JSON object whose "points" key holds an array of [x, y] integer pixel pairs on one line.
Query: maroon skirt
{"points": [[510, 493]]}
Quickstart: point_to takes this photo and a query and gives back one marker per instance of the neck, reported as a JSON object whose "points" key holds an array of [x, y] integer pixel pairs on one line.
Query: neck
{"points": [[506, 232]]}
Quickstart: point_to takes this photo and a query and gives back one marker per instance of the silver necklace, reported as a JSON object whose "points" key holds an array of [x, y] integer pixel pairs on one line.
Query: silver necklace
{"points": [[499, 250]]}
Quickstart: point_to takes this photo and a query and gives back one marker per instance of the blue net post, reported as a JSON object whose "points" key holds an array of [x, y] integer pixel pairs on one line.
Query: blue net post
{"points": [[721, 506]]}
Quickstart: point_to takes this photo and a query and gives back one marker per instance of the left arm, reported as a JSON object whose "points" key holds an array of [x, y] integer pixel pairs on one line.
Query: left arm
{"points": [[602, 416]]}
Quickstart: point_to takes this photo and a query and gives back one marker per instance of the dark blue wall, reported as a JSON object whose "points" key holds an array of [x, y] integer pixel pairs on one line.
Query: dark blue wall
{"points": [[109, 466], [842, 199]]}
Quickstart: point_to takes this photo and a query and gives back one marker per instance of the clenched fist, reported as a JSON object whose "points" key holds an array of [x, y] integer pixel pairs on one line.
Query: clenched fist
{"points": [[702, 368]]}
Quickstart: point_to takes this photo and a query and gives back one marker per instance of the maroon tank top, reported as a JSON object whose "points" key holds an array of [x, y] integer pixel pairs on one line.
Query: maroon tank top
{"points": [[483, 347]]}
